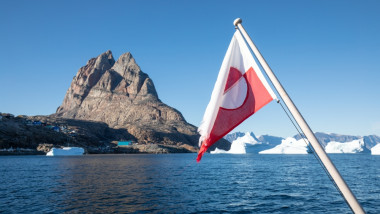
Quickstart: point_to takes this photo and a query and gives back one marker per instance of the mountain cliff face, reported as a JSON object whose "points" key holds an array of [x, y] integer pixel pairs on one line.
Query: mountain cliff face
{"points": [[122, 96]]}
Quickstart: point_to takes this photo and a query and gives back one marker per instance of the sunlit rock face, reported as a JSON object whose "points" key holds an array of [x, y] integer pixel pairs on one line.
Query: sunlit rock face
{"points": [[121, 95]]}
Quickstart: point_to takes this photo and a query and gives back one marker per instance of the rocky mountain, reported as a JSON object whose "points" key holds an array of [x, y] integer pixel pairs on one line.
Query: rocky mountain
{"points": [[371, 140], [233, 136], [271, 140], [119, 94], [324, 138]]}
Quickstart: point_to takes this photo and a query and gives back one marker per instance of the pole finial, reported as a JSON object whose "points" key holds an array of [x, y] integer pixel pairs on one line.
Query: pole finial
{"points": [[238, 21]]}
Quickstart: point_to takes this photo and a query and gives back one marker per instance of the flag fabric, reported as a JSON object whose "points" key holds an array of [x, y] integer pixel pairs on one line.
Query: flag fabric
{"points": [[240, 90]]}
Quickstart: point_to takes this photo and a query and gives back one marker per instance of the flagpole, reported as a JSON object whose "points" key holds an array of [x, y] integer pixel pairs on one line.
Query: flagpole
{"points": [[331, 169]]}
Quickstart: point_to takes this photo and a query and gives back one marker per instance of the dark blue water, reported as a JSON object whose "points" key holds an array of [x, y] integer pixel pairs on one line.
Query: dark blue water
{"points": [[175, 183]]}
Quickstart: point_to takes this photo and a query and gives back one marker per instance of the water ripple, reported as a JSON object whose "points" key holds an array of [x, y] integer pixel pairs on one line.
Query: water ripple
{"points": [[176, 184]]}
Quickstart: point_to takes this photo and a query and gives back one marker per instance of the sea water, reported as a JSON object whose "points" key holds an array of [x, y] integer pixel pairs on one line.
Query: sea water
{"points": [[175, 183]]}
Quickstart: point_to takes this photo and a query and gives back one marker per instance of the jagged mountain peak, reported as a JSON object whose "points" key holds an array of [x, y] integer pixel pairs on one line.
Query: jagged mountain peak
{"points": [[117, 93], [103, 62], [126, 65], [103, 78], [122, 96], [105, 59]]}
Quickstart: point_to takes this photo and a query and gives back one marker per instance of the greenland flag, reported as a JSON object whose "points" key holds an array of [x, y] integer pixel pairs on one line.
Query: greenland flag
{"points": [[240, 91]]}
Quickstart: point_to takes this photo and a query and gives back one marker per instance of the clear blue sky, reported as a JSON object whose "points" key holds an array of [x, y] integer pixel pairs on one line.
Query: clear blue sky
{"points": [[326, 54]]}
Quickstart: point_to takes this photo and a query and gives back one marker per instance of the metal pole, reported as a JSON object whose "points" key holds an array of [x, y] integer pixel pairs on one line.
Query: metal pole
{"points": [[331, 169]]}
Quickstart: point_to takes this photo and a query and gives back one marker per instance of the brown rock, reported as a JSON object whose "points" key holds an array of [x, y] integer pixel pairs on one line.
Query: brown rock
{"points": [[44, 147], [122, 96]]}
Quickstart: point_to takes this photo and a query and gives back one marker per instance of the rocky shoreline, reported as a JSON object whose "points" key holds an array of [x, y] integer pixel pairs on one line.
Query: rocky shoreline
{"points": [[34, 135], [134, 149]]}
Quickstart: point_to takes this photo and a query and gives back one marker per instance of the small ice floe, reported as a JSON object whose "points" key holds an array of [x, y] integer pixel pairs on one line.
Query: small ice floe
{"points": [[65, 151]]}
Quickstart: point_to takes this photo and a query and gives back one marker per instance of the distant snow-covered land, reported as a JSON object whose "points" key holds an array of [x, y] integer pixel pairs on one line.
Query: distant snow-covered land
{"points": [[333, 143]]}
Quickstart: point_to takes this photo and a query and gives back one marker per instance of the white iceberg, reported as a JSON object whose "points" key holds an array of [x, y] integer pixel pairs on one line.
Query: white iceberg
{"points": [[289, 146], [354, 146], [375, 150], [65, 151], [238, 146]]}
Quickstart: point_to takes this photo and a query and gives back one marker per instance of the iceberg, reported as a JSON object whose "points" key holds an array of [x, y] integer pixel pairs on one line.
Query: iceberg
{"points": [[354, 146], [375, 150], [65, 151], [239, 145], [236, 148], [289, 146]]}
